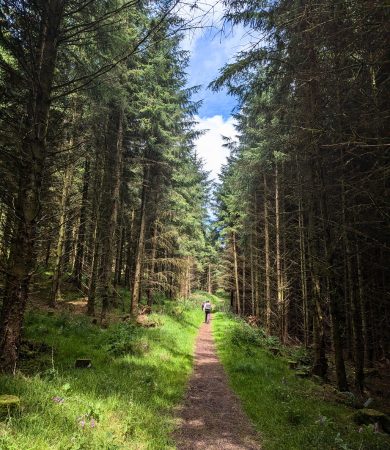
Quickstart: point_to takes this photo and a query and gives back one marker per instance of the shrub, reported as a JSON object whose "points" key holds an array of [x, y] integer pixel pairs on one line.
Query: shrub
{"points": [[294, 416], [125, 339], [244, 334], [302, 355]]}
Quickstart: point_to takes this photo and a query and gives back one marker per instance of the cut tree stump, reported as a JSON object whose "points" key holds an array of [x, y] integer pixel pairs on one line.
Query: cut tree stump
{"points": [[302, 374], [348, 398], [371, 416], [145, 321], [8, 402], [275, 351], [145, 310], [293, 364], [83, 363]]}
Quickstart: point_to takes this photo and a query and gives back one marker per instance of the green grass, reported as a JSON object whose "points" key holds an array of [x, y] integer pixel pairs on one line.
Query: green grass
{"points": [[288, 412], [125, 401]]}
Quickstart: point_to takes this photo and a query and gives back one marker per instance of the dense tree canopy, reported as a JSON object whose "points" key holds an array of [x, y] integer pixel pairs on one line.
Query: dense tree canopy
{"points": [[303, 204], [100, 182], [100, 185]]}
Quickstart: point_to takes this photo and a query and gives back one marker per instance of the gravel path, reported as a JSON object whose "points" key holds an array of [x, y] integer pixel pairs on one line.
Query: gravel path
{"points": [[211, 416]]}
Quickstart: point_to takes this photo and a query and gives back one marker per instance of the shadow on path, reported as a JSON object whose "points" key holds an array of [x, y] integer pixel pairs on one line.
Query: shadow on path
{"points": [[211, 416]]}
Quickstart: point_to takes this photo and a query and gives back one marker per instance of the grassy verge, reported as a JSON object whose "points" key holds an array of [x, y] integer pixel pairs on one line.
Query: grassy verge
{"points": [[125, 401], [288, 412]]}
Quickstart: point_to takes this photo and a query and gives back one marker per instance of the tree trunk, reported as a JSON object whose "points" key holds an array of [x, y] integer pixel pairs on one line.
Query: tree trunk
{"points": [[320, 363], [302, 253], [356, 319], [7, 232], [267, 260], [243, 285], [253, 287], [209, 284], [140, 245], [152, 265], [189, 266], [110, 202], [333, 284], [256, 268], [68, 248], [129, 254], [334, 307], [48, 251], [22, 258], [236, 280], [81, 243], [279, 272], [119, 255], [93, 276], [365, 316], [55, 293], [92, 256], [356, 315]]}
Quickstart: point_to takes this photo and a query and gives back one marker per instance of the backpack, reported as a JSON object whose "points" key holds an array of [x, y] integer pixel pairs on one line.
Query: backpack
{"points": [[207, 307]]}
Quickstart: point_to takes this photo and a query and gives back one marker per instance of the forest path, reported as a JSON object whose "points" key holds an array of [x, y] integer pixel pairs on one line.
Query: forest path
{"points": [[211, 416]]}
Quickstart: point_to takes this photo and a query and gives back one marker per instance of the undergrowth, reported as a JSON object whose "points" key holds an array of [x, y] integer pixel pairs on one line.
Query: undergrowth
{"points": [[288, 412], [124, 401]]}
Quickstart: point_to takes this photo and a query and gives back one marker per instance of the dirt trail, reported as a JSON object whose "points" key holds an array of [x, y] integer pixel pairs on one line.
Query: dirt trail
{"points": [[211, 416]]}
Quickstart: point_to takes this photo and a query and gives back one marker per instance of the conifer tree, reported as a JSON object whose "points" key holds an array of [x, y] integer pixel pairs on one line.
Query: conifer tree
{"points": [[303, 136]]}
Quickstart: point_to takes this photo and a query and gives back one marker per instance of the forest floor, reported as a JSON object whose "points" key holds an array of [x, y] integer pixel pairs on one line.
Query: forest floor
{"points": [[129, 399], [211, 416], [124, 401]]}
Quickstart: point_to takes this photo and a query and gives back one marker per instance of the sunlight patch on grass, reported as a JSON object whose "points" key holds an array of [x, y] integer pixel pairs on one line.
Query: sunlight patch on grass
{"points": [[125, 401]]}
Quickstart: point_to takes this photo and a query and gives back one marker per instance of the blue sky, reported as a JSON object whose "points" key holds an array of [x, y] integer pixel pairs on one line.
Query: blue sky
{"points": [[209, 51], [208, 55]]}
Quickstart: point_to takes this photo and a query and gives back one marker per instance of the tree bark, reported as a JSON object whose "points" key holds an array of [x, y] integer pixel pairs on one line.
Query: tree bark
{"points": [[356, 315], [110, 203], [303, 266], [236, 280], [152, 265], [140, 245], [55, 293], [93, 276], [267, 260], [320, 363], [129, 253], [333, 284], [81, 238], [22, 258], [279, 272], [243, 285], [363, 307], [7, 232], [209, 283], [252, 271]]}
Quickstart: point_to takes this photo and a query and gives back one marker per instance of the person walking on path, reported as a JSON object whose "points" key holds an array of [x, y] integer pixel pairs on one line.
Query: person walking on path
{"points": [[207, 310], [211, 416]]}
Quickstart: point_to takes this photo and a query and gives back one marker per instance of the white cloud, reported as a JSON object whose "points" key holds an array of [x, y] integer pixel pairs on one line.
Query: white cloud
{"points": [[210, 145], [211, 45]]}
